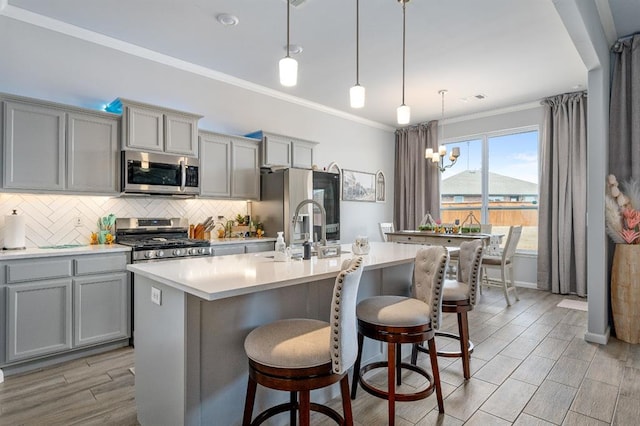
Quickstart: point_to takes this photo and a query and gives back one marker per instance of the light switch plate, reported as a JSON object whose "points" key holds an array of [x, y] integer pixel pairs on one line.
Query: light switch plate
{"points": [[156, 296]]}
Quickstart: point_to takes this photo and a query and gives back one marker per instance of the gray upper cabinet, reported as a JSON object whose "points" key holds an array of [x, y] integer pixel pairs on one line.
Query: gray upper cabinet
{"points": [[157, 129], [50, 147], [245, 169], [276, 151], [302, 154], [229, 166], [284, 151], [92, 152], [215, 165], [34, 147]]}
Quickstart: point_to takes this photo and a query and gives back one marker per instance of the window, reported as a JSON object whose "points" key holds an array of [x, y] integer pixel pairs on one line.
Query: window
{"points": [[496, 179]]}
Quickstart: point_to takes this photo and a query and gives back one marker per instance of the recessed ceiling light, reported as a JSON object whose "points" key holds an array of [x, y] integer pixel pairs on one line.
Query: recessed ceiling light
{"points": [[227, 19], [294, 49], [480, 96]]}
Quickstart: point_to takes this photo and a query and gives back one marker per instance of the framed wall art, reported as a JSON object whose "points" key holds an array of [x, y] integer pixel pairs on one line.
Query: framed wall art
{"points": [[380, 187], [358, 186]]}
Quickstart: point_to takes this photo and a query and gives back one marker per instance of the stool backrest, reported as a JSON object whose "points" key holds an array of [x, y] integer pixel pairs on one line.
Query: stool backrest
{"points": [[344, 335], [469, 261], [428, 275]]}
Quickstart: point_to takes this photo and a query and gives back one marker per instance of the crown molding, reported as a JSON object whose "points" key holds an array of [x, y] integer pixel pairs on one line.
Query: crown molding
{"points": [[151, 55]]}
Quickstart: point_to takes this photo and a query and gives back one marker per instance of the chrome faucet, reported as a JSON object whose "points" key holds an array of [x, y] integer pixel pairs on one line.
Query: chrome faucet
{"points": [[323, 215]]}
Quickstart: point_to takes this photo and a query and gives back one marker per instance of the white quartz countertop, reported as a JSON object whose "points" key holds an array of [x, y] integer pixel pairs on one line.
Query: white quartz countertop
{"points": [[62, 250], [219, 277]]}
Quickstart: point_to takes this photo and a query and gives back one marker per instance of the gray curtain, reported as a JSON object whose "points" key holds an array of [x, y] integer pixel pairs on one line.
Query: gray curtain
{"points": [[563, 195], [416, 183], [624, 110]]}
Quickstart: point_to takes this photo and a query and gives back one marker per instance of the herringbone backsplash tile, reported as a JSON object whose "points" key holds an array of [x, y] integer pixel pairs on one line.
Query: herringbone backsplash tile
{"points": [[51, 219]]}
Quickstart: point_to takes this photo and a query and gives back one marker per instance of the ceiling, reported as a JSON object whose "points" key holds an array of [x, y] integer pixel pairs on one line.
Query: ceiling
{"points": [[512, 52]]}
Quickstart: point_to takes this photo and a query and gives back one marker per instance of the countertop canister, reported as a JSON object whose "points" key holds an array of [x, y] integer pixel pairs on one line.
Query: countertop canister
{"points": [[14, 231]]}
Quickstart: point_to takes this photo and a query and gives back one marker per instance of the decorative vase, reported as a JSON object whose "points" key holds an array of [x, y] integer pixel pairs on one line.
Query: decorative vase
{"points": [[625, 292]]}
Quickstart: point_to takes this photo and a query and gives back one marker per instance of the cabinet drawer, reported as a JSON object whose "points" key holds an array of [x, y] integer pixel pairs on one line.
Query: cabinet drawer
{"points": [[100, 264], [38, 269]]}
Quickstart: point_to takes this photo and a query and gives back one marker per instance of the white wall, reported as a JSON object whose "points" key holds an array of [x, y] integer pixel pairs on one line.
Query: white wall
{"points": [[45, 64]]}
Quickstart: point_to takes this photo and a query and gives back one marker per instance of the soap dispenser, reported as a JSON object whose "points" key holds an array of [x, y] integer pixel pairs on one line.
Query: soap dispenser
{"points": [[280, 247]]}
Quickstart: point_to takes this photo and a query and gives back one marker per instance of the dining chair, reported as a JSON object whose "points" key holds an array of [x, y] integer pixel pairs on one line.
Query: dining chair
{"points": [[459, 297], [384, 228], [299, 355], [503, 262], [396, 320]]}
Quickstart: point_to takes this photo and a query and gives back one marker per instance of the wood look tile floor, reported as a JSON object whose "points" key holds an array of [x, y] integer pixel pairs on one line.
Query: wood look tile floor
{"points": [[531, 366]]}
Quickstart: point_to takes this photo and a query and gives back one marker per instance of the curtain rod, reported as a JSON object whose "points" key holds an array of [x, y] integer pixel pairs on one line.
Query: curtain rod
{"points": [[617, 45]]}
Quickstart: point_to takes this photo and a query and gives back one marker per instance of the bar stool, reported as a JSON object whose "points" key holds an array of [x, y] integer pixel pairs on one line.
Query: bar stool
{"points": [[459, 296], [396, 320], [299, 355]]}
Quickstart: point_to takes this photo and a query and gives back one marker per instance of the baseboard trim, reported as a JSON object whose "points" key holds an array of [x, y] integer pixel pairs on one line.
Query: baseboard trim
{"points": [[601, 339]]}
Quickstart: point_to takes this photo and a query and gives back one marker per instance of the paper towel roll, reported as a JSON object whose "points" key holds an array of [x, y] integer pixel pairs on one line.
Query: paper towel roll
{"points": [[14, 232]]}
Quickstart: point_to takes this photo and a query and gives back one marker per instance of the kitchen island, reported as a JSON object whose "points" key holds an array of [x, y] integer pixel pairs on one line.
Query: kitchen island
{"points": [[192, 316]]}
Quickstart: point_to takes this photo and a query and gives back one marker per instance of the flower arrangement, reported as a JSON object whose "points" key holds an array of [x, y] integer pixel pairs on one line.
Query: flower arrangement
{"points": [[622, 211]]}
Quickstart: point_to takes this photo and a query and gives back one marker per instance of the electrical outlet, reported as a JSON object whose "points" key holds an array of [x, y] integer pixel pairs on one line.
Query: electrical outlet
{"points": [[78, 221], [156, 296]]}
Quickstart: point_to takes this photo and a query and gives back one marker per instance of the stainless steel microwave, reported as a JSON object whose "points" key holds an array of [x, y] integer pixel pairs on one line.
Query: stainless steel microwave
{"points": [[151, 173]]}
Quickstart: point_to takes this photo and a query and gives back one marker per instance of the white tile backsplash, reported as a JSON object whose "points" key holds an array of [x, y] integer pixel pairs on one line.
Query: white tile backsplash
{"points": [[51, 219]]}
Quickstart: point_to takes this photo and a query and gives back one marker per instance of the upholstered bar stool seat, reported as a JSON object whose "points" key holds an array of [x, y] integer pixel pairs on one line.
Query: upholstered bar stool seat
{"points": [[397, 320], [298, 355], [459, 297]]}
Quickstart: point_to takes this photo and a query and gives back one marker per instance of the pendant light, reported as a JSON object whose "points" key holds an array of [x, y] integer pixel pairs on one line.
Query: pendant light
{"points": [[357, 92], [288, 65], [404, 112]]}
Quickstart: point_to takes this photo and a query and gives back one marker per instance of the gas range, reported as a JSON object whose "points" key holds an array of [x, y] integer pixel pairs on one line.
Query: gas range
{"points": [[159, 239]]}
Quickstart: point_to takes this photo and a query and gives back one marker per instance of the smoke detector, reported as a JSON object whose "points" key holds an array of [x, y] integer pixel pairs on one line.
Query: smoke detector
{"points": [[227, 19]]}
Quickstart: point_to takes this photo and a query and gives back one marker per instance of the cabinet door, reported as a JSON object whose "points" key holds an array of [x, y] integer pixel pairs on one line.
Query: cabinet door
{"points": [[259, 247], [245, 170], [181, 134], [144, 129], [92, 151], [34, 149], [302, 154], [276, 151], [39, 318], [224, 250], [100, 308], [215, 166]]}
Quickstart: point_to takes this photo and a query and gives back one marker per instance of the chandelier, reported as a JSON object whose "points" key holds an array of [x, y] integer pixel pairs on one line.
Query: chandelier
{"points": [[437, 158]]}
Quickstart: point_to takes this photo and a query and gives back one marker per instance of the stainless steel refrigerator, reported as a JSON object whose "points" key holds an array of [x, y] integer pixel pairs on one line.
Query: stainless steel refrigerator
{"points": [[282, 191]]}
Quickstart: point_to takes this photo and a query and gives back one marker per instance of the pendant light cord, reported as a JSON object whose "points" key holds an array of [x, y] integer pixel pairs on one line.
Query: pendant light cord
{"points": [[404, 5], [288, 7], [357, 42]]}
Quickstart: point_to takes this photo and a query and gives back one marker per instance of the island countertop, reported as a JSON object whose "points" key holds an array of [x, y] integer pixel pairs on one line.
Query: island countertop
{"points": [[219, 277]]}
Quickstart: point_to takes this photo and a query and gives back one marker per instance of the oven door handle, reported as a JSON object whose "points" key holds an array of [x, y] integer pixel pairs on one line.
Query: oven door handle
{"points": [[183, 176]]}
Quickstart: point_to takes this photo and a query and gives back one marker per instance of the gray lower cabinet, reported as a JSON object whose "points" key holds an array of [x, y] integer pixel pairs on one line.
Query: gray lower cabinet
{"points": [[240, 248], [63, 303], [54, 148], [229, 166], [100, 306], [38, 318]]}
